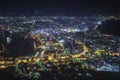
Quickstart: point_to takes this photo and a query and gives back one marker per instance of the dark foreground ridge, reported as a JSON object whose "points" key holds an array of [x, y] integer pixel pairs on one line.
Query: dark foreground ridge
{"points": [[7, 75]]}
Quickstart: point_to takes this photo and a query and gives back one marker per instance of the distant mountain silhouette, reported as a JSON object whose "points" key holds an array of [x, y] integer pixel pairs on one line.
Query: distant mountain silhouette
{"points": [[110, 27]]}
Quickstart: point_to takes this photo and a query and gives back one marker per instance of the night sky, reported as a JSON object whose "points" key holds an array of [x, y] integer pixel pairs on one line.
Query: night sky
{"points": [[59, 7]]}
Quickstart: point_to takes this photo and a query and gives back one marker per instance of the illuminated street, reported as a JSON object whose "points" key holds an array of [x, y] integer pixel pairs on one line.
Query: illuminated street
{"points": [[33, 46]]}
